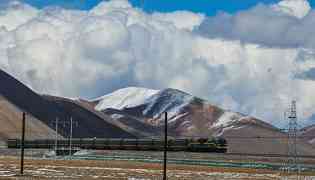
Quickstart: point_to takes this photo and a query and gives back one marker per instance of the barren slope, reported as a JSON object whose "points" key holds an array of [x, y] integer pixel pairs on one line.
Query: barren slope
{"points": [[11, 123], [308, 134], [47, 110]]}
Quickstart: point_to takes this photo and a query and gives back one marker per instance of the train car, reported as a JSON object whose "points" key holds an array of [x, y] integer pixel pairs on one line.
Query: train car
{"points": [[218, 145]]}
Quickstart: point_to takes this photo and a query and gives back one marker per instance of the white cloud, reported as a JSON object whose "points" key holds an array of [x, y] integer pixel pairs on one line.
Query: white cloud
{"points": [[253, 62], [265, 25], [297, 8], [15, 13], [181, 19]]}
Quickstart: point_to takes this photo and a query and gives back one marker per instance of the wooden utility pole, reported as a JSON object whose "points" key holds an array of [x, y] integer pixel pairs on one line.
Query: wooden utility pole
{"points": [[165, 147], [70, 145], [22, 144], [56, 136]]}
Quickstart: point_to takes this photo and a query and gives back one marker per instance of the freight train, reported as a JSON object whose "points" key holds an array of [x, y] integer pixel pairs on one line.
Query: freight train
{"points": [[217, 145]]}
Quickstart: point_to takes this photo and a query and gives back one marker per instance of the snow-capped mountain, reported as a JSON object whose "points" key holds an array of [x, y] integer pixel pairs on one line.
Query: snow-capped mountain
{"points": [[189, 116], [183, 109], [151, 104], [123, 98]]}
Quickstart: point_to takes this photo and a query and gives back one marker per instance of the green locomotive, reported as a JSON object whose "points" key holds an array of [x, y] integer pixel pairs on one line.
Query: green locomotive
{"points": [[217, 145]]}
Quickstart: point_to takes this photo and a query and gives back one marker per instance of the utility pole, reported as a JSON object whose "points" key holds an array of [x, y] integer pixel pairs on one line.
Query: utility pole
{"points": [[70, 137], [165, 147], [56, 136], [22, 144]]}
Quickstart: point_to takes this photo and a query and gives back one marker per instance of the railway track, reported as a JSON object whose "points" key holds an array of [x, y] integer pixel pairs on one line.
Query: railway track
{"points": [[269, 155], [199, 162]]}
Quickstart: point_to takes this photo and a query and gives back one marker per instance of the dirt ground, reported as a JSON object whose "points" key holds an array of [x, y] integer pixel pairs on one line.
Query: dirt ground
{"points": [[126, 170]]}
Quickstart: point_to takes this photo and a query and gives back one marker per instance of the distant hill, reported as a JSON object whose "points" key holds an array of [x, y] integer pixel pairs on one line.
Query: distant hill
{"points": [[308, 134], [46, 109], [191, 116]]}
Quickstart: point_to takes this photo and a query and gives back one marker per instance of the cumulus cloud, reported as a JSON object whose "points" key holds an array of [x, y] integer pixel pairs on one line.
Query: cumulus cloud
{"points": [[14, 14], [181, 19], [253, 62], [268, 25], [297, 8]]}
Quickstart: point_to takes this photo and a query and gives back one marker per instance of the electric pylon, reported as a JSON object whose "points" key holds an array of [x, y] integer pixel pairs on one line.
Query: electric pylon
{"points": [[292, 139]]}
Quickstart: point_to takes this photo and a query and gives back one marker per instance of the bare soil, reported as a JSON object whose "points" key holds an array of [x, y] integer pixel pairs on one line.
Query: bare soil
{"points": [[108, 170]]}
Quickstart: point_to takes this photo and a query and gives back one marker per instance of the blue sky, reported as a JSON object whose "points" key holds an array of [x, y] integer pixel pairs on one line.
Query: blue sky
{"points": [[209, 7]]}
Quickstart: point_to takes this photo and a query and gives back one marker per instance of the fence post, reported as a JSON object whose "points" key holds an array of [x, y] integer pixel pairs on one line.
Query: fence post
{"points": [[22, 144]]}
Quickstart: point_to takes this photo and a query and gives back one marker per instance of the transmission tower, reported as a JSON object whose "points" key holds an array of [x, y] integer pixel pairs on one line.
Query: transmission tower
{"points": [[292, 139]]}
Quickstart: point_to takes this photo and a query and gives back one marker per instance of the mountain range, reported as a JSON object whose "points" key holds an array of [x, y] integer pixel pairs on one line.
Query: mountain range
{"points": [[135, 112]]}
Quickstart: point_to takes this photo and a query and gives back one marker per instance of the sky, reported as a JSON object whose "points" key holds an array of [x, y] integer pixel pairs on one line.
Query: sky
{"points": [[209, 7], [250, 57]]}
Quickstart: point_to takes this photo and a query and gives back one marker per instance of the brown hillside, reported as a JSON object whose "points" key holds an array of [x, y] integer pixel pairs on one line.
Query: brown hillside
{"points": [[11, 123], [47, 110]]}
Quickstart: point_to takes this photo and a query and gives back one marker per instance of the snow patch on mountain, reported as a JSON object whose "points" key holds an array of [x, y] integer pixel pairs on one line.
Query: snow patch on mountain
{"points": [[227, 118], [168, 100], [173, 120], [228, 121], [297, 8], [124, 98]]}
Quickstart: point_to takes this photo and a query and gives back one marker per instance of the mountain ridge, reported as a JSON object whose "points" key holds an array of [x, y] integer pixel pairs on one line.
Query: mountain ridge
{"points": [[141, 115], [192, 117]]}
